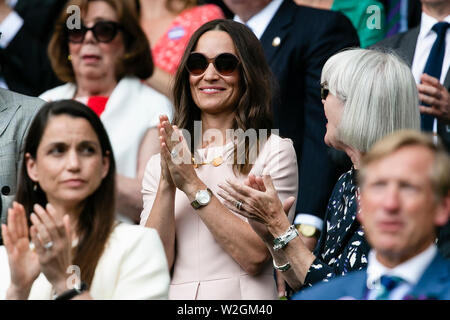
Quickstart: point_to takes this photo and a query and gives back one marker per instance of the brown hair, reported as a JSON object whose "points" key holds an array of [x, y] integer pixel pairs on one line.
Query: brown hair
{"points": [[96, 221], [137, 60], [253, 109], [439, 175]]}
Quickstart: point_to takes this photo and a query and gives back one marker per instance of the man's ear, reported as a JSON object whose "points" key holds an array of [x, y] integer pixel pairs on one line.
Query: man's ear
{"points": [[31, 167]]}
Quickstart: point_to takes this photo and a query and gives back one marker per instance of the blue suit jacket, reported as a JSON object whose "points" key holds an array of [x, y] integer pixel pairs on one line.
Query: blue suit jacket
{"points": [[308, 37], [434, 284]]}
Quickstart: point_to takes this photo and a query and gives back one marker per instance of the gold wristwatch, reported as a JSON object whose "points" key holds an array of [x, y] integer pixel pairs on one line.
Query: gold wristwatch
{"points": [[307, 230]]}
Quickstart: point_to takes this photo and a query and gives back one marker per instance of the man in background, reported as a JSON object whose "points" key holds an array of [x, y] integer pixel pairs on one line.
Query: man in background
{"points": [[405, 196], [26, 27]]}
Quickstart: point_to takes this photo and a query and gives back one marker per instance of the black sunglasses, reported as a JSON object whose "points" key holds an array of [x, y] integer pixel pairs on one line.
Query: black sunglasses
{"points": [[104, 31], [225, 63], [324, 91]]}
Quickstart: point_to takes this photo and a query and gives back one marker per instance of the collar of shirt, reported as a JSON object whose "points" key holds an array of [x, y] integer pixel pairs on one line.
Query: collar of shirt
{"points": [[427, 24], [410, 270], [11, 3], [259, 22]]}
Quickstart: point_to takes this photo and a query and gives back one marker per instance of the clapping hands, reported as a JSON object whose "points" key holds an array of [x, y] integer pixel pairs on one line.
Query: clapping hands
{"points": [[50, 252], [176, 158], [260, 204]]}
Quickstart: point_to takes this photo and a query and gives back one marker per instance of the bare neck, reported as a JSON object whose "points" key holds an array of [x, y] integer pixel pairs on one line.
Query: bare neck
{"points": [[249, 11], [321, 4], [87, 87], [355, 155], [438, 10], [156, 9], [221, 123], [393, 259]]}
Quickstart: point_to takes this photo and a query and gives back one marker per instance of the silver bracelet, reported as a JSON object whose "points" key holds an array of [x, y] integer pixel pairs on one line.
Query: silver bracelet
{"points": [[283, 268], [281, 241]]}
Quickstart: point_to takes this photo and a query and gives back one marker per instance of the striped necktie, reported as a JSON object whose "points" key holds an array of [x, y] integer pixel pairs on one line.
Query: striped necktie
{"points": [[387, 285], [393, 17]]}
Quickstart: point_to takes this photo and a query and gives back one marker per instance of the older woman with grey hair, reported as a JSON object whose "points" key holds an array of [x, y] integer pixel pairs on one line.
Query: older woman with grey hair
{"points": [[367, 94]]}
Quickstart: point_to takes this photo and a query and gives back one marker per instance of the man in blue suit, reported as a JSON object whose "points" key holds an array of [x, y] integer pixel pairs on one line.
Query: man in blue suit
{"points": [[405, 196]]}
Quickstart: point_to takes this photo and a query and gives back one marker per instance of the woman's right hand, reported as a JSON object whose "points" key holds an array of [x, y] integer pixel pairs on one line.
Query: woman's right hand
{"points": [[23, 261], [165, 173]]}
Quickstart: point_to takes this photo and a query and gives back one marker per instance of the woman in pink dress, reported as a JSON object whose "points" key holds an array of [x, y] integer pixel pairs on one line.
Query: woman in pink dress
{"points": [[222, 99]]}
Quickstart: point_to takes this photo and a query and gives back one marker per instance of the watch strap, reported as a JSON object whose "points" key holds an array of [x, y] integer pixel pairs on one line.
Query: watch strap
{"points": [[69, 294]]}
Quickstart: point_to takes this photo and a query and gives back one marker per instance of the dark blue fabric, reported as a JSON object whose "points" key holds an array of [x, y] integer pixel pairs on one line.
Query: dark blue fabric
{"points": [[342, 246], [388, 284], [297, 63], [433, 67], [433, 284]]}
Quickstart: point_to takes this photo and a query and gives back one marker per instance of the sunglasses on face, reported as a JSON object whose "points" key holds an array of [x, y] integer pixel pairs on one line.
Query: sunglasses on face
{"points": [[104, 31], [225, 63], [324, 91]]}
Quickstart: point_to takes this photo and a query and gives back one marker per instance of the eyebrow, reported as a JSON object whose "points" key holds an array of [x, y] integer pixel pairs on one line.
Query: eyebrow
{"points": [[84, 142]]}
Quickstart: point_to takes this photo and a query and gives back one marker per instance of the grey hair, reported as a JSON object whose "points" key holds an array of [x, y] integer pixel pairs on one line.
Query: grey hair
{"points": [[379, 95]]}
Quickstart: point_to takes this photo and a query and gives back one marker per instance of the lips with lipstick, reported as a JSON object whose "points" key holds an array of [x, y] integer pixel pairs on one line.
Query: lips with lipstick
{"points": [[74, 183]]}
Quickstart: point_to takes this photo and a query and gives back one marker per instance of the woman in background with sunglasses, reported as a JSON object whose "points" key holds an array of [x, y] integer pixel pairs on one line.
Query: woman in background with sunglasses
{"points": [[103, 60], [366, 95], [223, 83]]}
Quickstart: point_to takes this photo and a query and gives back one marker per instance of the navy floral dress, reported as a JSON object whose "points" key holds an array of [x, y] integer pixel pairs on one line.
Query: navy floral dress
{"points": [[342, 246]]}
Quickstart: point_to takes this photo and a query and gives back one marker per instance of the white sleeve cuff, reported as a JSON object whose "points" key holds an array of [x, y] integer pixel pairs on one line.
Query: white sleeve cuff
{"points": [[9, 28], [304, 218]]}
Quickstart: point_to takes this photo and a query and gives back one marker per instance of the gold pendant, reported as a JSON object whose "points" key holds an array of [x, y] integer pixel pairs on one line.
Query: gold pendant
{"points": [[217, 161]]}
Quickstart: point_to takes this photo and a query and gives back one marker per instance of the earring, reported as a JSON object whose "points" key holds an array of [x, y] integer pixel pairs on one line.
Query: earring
{"points": [[35, 187], [69, 57]]}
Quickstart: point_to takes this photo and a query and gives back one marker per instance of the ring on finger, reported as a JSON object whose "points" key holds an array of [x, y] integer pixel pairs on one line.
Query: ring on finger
{"points": [[238, 204], [48, 245], [174, 153]]}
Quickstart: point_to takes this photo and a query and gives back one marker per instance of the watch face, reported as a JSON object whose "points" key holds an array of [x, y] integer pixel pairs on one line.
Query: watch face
{"points": [[307, 230], [203, 197]]}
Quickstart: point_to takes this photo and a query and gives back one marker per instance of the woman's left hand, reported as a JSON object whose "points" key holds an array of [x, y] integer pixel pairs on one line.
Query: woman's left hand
{"points": [[52, 238], [178, 158]]}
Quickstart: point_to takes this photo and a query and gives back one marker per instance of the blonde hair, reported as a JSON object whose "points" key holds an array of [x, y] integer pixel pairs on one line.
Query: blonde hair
{"points": [[440, 169], [379, 95]]}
